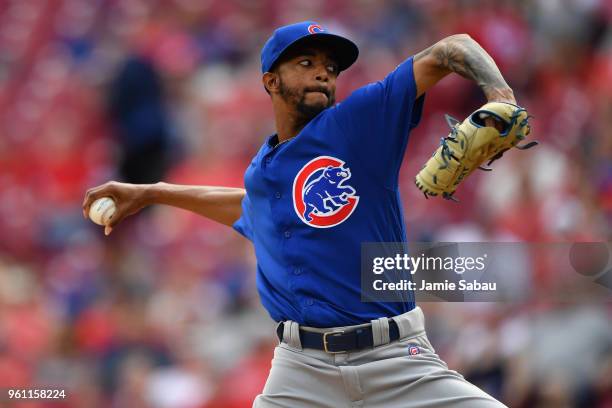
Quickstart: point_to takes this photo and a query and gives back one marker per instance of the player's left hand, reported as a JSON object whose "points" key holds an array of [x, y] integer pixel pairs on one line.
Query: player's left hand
{"points": [[494, 123], [504, 95], [485, 135]]}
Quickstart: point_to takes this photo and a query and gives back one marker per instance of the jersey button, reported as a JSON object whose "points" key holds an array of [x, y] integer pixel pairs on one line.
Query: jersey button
{"points": [[297, 271], [277, 195], [310, 302], [287, 234], [268, 160]]}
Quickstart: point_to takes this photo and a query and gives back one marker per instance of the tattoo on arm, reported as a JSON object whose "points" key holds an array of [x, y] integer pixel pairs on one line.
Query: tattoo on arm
{"points": [[464, 56]]}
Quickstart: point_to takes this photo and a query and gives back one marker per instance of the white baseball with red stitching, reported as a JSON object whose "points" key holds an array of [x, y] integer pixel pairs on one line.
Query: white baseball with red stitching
{"points": [[102, 210]]}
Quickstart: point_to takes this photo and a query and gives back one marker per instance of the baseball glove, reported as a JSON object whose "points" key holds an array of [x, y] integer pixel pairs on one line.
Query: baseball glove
{"points": [[470, 144]]}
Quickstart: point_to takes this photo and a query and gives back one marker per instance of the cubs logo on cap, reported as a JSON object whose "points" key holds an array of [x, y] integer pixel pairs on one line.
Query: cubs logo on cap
{"points": [[315, 28], [322, 196], [283, 39]]}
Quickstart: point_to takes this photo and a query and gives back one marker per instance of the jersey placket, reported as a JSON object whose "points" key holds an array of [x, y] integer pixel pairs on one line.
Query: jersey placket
{"points": [[281, 206]]}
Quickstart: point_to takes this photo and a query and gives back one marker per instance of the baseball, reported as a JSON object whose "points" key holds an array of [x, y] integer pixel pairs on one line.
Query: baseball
{"points": [[102, 210]]}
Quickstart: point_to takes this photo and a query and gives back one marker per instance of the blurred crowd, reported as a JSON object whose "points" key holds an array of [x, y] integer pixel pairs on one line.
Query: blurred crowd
{"points": [[164, 312]]}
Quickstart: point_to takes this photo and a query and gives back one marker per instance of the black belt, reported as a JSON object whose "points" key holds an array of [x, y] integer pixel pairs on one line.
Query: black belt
{"points": [[340, 341]]}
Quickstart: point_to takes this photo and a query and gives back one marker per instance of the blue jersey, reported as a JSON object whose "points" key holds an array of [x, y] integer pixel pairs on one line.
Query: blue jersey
{"points": [[310, 202]]}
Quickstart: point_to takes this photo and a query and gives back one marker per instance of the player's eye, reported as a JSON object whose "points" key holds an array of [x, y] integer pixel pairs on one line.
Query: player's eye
{"points": [[332, 68], [305, 63]]}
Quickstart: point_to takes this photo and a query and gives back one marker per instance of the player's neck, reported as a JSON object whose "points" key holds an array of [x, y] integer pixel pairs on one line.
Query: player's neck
{"points": [[288, 123], [287, 131]]}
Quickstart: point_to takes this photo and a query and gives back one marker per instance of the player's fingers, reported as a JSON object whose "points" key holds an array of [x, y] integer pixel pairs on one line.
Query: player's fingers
{"points": [[115, 219], [494, 123], [91, 195], [489, 121]]}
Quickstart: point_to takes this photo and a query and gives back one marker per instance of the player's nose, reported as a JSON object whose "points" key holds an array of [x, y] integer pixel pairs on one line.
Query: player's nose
{"points": [[322, 75]]}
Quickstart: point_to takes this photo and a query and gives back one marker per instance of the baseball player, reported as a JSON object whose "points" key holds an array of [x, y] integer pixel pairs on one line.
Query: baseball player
{"points": [[325, 182]]}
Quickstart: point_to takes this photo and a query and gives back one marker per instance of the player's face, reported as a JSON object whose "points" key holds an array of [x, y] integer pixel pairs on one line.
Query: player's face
{"points": [[308, 81]]}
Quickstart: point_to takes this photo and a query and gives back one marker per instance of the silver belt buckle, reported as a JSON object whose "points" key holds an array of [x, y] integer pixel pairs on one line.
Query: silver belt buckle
{"points": [[325, 341]]}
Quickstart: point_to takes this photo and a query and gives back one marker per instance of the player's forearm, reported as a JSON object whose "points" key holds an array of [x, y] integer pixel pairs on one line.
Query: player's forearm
{"points": [[464, 56], [221, 204]]}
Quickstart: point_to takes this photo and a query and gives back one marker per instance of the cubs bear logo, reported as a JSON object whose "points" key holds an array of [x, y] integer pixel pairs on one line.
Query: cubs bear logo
{"points": [[321, 197]]}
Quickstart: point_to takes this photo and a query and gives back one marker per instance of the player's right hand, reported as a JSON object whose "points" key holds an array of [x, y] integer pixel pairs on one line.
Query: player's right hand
{"points": [[129, 199]]}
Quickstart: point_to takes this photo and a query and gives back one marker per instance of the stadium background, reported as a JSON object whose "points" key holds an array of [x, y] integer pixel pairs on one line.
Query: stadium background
{"points": [[163, 313]]}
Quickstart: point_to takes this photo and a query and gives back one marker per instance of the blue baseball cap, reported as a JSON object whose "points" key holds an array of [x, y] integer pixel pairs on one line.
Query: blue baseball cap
{"points": [[284, 38]]}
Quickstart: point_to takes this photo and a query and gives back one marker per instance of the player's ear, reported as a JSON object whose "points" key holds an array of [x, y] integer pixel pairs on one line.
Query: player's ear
{"points": [[271, 82]]}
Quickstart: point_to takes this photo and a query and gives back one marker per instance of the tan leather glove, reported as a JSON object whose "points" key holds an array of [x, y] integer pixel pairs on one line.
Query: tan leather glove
{"points": [[470, 144]]}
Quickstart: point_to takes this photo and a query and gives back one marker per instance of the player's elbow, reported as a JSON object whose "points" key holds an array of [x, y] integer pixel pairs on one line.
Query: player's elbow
{"points": [[457, 38], [464, 36], [451, 47]]}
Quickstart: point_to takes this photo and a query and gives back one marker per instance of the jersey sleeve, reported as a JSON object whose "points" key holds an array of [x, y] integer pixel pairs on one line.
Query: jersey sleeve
{"points": [[244, 225], [377, 119]]}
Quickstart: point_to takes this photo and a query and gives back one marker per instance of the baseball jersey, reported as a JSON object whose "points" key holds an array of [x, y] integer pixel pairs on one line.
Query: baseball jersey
{"points": [[310, 202]]}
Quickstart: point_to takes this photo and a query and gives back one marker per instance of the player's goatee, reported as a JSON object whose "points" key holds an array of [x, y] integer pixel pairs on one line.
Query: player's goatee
{"points": [[308, 111]]}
